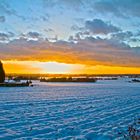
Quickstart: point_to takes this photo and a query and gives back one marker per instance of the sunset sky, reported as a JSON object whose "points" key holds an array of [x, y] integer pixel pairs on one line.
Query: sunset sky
{"points": [[70, 36]]}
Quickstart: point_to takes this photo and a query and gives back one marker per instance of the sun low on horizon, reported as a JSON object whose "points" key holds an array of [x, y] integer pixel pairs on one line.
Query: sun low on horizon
{"points": [[69, 69], [63, 37], [33, 67]]}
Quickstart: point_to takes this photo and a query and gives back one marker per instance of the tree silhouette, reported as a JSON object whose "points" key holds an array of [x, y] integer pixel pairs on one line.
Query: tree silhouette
{"points": [[2, 73]]}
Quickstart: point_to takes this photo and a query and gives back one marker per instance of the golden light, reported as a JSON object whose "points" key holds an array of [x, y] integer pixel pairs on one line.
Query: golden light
{"points": [[36, 67], [57, 68], [31, 67]]}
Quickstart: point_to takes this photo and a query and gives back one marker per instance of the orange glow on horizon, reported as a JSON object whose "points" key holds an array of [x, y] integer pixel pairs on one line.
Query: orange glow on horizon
{"points": [[35, 67]]}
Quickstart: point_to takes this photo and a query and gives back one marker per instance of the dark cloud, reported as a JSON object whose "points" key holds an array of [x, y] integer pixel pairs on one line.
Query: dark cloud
{"points": [[55, 38], [123, 36], [107, 6], [119, 8], [82, 47], [33, 34], [11, 34], [4, 37], [124, 8], [71, 38], [88, 51], [127, 36], [79, 35], [135, 39], [2, 19], [97, 26]]}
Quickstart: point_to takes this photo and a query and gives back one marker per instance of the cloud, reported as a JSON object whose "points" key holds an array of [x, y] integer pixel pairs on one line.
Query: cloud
{"points": [[74, 4], [4, 37], [107, 6], [127, 36], [5, 8], [135, 39], [120, 8], [97, 26], [48, 30], [76, 28], [89, 51], [123, 36], [2, 19], [33, 34]]}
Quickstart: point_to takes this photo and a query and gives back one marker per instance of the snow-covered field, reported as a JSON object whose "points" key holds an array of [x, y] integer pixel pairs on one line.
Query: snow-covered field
{"points": [[68, 111]]}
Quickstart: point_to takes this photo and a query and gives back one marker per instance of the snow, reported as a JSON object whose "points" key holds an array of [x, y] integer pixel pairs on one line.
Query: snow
{"points": [[69, 111]]}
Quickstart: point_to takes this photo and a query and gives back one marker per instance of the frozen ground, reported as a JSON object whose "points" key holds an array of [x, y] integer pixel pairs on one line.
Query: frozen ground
{"points": [[68, 111]]}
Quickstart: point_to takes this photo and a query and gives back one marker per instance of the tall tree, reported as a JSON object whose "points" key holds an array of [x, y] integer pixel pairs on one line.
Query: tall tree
{"points": [[2, 73]]}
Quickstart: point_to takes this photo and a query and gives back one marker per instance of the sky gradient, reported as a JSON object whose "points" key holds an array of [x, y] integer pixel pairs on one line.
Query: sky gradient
{"points": [[70, 36]]}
